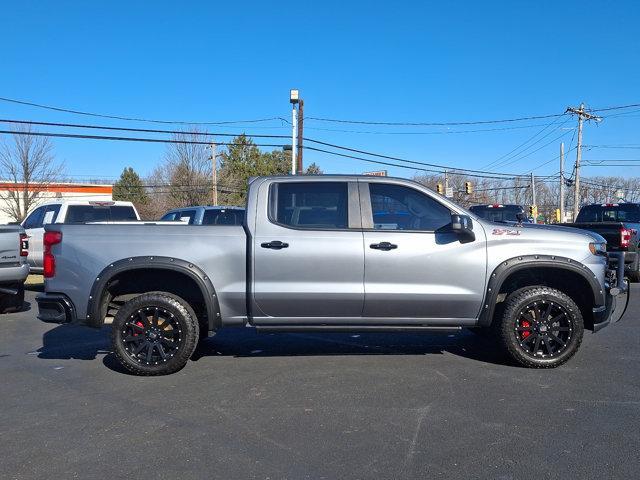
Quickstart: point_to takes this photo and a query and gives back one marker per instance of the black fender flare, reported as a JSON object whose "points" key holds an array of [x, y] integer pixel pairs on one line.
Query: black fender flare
{"points": [[95, 309], [507, 267]]}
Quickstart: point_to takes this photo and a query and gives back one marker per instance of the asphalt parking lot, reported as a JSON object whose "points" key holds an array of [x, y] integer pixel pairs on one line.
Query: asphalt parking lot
{"points": [[314, 406]]}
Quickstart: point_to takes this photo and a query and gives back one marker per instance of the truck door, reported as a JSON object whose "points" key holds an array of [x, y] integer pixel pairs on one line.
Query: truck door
{"points": [[308, 256], [415, 266]]}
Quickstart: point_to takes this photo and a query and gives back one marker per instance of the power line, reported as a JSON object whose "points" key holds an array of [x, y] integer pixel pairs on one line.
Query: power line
{"points": [[518, 156], [389, 157], [536, 150], [132, 119], [132, 139], [618, 107], [379, 162], [474, 122], [140, 130], [450, 132], [198, 142]]}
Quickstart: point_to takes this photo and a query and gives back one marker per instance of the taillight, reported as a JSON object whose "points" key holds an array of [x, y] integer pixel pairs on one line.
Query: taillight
{"points": [[48, 260], [24, 244], [625, 237]]}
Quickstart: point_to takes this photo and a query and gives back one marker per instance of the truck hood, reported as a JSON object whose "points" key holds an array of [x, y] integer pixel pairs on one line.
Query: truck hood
{"points": [[506, 241], [594, 237]]}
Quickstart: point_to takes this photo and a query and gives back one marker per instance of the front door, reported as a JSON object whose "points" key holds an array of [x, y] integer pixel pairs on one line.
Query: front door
{"points": [[308, 255], [415, 266]]}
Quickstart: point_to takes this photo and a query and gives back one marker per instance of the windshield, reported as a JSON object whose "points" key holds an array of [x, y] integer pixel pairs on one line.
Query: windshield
{"points": [[626, 212]]}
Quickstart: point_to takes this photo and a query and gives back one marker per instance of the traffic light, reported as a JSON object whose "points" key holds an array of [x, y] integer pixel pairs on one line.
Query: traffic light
{"points": [[533, 211], [439, 188], [558, 219], [468, 188]]}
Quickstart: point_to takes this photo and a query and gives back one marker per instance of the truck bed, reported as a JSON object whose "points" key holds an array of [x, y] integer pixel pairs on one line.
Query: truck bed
{"points": [[85, 250]]}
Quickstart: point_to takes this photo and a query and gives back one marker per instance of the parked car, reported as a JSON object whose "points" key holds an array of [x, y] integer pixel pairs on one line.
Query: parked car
{"points": [[313, 254], [500, 213], [205, 215], [70, 212], [619, 224], [14, 268]]}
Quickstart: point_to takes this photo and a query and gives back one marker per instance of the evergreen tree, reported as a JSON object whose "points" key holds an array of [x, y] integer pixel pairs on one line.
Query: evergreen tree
{"points": [[130, 188]]}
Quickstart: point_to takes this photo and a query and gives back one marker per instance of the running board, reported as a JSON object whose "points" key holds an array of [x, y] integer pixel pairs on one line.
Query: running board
{"points": [[357, 328]]}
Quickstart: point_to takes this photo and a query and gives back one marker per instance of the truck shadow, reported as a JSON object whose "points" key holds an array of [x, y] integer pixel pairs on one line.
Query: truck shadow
{"points": [[65, 342]]}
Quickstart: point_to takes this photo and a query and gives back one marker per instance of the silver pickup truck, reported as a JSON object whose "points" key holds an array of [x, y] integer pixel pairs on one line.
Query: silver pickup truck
{"points": [[14, 269], [332, 253]]}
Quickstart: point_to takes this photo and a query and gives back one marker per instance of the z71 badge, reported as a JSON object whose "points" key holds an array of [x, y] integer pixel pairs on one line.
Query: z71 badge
{"points": [[505, 231]]}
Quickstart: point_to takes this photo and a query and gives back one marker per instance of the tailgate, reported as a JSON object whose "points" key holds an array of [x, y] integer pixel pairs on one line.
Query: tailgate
{"points": [[10, 245], [609, 230]]}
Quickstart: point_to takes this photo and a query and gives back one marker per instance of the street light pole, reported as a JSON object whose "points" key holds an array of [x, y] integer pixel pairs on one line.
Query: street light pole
{"points": [[214, 166], [293, 99]]}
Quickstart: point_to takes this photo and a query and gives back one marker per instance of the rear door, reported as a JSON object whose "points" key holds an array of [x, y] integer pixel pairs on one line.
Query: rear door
{"points": [[308, 256], [415, 266]]}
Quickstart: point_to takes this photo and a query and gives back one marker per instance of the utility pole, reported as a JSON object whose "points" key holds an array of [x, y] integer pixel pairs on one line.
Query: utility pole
{"points": [[214, 166], [293, 99], [562, 181], [582, 116], [533, 190], [299, 165]]}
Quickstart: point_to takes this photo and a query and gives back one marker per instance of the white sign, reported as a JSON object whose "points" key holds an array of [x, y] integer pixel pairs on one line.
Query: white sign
{"points": [[379, 173], [449, 192]]}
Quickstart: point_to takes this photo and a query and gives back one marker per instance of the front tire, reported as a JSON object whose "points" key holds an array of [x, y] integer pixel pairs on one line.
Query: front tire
{"points": [[541, 327], [154, 334]]}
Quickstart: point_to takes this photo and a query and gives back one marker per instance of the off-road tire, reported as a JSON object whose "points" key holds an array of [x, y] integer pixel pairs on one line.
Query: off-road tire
{"points": [[506, 327], [185, 320]]}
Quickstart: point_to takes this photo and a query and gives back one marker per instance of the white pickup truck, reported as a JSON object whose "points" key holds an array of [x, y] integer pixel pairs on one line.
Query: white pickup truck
{"points": [[71, 212]]}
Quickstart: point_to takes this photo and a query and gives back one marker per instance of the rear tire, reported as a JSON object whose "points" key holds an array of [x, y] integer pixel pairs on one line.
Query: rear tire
{"points": [[154, 334], [12, 303], [541, 327]]}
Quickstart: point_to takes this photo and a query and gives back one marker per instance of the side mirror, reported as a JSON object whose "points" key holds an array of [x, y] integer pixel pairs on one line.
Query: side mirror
{"points": [[462, 226]]}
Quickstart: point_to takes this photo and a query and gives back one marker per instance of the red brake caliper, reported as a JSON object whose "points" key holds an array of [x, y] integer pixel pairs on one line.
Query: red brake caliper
{"points": [[526, 333], [139, 324]]}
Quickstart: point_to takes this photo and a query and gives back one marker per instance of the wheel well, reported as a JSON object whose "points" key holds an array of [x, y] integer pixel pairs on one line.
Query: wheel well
{"points": [[130, 283], [569, 282]]}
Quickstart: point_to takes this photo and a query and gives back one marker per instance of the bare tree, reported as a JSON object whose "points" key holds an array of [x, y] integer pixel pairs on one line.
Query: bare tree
{"points": [[28, 162], [188, 170]]}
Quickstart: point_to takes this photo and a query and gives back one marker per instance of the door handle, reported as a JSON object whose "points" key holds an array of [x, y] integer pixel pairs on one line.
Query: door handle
{"points": [[383, 246], [275, 245]]}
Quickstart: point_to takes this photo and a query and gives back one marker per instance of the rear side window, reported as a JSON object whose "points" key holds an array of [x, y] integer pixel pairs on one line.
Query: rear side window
{"points": [[98, 213], [610, 213], [50, 214], [396, 207], [313, 205], [34, 220], [223, 217], [187, 216]]}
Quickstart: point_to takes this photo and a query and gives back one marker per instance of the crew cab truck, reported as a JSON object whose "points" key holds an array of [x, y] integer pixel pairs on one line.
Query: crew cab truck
{"points": [[619, 224], [331, 253]]}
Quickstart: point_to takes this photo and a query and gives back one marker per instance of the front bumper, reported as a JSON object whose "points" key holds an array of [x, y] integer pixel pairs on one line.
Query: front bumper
{"points": [[617, 298], [55, 308]]}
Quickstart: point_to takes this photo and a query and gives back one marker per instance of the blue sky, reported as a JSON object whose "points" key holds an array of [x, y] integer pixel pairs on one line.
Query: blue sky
{"points": [[382, 61]]}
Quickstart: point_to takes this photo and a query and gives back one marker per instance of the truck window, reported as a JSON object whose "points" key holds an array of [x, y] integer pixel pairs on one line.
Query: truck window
{"points": [[187, 216], [626, 212], [223, 217], [99, 213], [34, 220], [396, 207], [50, 214], [313, 205], [170, 217]]}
